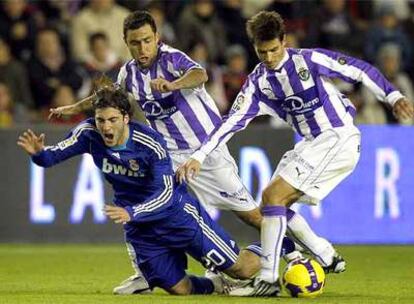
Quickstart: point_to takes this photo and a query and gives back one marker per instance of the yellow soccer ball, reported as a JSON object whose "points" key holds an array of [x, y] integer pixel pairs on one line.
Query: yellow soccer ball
{"points": [[304, 278]]}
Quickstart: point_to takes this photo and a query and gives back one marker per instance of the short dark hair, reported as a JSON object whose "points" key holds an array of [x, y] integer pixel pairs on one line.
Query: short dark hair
{"points": [[265, 26], [138, 19], [113, 97]]}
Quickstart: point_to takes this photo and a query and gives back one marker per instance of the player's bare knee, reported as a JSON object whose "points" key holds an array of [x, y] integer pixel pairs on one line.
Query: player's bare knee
{"points": [[252, 217], [247, 265], [181, 288]]}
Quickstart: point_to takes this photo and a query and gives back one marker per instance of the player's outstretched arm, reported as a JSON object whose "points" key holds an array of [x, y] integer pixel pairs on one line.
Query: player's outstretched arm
{"points": [[80, 106], [192, 79], [31, 143], [403, 109], [188, 170]]}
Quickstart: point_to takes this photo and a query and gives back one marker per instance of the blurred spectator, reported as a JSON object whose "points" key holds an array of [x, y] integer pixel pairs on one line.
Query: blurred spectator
{"points": [[164, 28], [400, 7], [64, 97], [49, 69], [199, 53], [6, 105], [389, 62], [387, 30], [102, 59], [230, 14], [234, 75], [99, 16], [331, 26], [408, 27], [58, 14], [199, 21], [14, 75], [18, 27]]}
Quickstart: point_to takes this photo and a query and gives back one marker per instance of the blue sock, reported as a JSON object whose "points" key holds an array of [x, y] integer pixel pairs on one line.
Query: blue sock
{"points": [[288, 246], [201, 285]]}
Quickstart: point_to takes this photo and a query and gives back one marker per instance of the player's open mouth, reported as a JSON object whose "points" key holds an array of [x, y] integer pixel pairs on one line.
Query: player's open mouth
{"points": [[109, 137]]}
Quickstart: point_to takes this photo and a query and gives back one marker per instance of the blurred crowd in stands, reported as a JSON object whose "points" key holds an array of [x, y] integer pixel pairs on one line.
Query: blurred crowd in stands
{"points": [[52, 50]]}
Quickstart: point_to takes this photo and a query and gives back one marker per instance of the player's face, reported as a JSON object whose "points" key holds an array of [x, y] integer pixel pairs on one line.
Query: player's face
{"points": [[143, 45], [112, 125], [270, 52]]}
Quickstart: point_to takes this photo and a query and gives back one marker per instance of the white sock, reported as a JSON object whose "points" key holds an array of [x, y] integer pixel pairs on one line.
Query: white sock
{"points": [[272, 233], [299, 230]]}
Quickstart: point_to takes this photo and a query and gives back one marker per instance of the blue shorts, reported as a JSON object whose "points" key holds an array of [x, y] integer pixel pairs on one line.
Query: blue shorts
{"points": [[161, 246]]}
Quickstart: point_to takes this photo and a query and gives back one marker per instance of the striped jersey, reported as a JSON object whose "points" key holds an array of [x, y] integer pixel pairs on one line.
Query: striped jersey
{"points": [[300, 91], [184, 117], [140, 172]]}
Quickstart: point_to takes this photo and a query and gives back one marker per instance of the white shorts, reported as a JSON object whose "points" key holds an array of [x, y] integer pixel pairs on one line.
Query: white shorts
{"points": [[317, 166], [218, 184]]}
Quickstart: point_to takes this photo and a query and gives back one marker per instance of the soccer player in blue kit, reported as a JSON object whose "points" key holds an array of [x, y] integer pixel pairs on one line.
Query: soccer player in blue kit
{"points": [[295, 85], [162, 222]]}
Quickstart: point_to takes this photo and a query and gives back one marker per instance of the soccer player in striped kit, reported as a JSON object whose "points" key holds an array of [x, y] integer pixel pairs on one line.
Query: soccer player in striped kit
{"points": [[169, 87], [161, 220], [295, 85]]}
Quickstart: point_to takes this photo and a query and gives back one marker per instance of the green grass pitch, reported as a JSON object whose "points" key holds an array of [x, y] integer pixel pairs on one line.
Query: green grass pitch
{"points": [[87, 273]]}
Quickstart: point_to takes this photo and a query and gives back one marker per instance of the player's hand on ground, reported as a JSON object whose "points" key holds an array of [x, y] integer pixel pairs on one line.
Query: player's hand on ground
{"points": [[188, 170], [117, 214], [403, 109], [30, 142], [162, 85], [65, 110]]}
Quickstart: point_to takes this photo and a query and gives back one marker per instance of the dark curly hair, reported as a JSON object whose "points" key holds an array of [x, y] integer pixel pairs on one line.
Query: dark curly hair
{"points": [[265, 26], [112, 97]]}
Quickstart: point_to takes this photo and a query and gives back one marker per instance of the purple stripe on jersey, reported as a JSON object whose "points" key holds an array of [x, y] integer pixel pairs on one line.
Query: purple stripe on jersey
{"points": [[351, 110], [331, 113], [175, 134], [185, 109], [294, 79], [181, 62], [191, 118], [251, 112], [313, 125], [216, 119], [276, 86], [128, 80], [329, 109], [153, 72]]}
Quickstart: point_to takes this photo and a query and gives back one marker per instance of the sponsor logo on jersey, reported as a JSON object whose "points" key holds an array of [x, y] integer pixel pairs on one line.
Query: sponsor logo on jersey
{"points": [[107, 167], [304, 74], [297, 105]]}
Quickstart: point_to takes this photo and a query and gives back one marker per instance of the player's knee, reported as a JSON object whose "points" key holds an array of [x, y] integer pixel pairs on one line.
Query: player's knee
{"points": [[181, 288], [252, 217], [242, 270], [271, 196]]}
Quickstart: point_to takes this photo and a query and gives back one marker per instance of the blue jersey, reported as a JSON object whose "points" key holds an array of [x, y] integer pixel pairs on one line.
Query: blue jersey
{"points": [[140, 173]]}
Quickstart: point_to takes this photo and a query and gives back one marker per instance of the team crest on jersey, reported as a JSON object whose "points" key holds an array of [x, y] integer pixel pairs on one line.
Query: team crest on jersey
{"points": [[238, 103], [133, 165], [342, 60], [304, 74]]}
